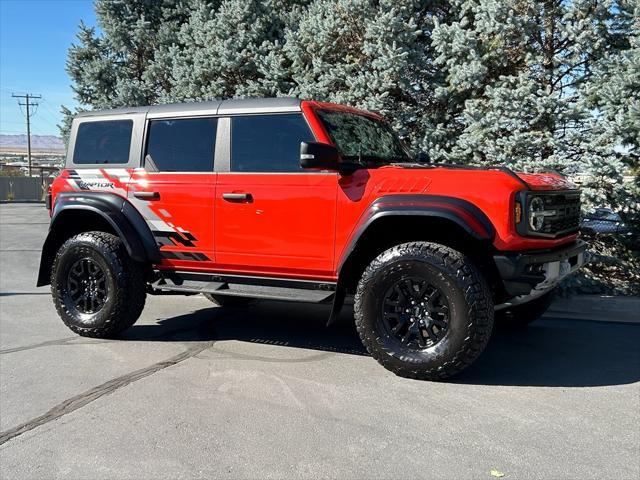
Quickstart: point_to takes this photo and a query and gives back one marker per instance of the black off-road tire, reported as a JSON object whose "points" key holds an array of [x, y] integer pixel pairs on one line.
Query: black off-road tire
{"points": [[521, 316], [229, 301], [470, 314], [125, 281]]}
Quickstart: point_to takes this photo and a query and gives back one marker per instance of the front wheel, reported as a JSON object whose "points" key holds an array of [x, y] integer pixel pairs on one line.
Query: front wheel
{"points": [[423, 311], [98, 290]]}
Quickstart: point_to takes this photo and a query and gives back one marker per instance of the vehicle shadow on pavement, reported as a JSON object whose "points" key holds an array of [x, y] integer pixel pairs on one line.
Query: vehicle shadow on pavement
{"points": [[549, 353], [274, 323], [559, 353]]}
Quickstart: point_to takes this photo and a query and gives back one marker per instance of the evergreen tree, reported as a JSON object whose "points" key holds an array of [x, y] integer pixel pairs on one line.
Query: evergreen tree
{"points": [[117, 67], [369, 54], [532, 85], [221, 48], [513, 70], [611, 141]]}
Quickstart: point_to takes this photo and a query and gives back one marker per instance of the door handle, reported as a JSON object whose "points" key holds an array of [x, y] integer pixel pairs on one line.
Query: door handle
{"points": [[237, 197], [147, 195]]}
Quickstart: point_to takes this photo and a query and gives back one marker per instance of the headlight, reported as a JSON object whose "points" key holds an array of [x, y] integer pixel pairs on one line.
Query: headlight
{"points": [[547, 214], [537, 213]]}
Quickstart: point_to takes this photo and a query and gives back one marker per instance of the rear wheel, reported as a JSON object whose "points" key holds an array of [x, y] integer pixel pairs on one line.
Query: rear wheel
{"points": [[423, 311], [98, 290], [229, 301], [522, 315]]}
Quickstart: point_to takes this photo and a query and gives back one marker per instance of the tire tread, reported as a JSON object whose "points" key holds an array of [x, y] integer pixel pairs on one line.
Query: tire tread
{"points": [[476, 293], [130, 278]]}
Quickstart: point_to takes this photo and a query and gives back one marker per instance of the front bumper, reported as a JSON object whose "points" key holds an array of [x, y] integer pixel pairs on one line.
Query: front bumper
{"points": [[532, 274]]}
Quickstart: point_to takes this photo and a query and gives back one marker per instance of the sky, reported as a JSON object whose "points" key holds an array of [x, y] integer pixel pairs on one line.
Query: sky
{"points": [[34, 38]]}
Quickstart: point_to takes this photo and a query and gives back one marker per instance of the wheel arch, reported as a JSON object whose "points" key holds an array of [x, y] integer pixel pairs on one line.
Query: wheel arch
{"points": [[75, 212], [397, 219]]}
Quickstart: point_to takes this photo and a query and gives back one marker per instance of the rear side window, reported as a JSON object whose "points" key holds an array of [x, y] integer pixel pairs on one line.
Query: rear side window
{"points": [[185, 145], [268, 143], [103, 142]]}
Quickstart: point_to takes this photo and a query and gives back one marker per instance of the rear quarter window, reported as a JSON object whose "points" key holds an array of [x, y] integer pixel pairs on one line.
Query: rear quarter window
{"points": [[103, 142]]}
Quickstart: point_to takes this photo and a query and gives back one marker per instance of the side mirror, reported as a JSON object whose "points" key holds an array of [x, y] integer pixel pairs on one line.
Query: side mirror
{"points": [[319, 156], [423, 157]]}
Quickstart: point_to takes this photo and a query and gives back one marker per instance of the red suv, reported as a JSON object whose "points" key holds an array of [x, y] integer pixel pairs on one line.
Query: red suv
{"points": [[302, 201]]}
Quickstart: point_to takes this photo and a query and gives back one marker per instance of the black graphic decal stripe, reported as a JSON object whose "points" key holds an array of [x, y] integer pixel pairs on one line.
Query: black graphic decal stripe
{"points": [[195, 256], [185, 239]]}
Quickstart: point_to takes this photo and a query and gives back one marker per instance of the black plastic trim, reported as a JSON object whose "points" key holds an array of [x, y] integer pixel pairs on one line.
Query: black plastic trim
{"points": [[511, 266], [421, 205], [272, 288], [145, 235], [125, 220], [177, 276]]}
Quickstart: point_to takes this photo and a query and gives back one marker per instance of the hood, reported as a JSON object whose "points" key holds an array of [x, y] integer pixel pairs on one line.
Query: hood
{"points": [[535, 181], [547, 181]]}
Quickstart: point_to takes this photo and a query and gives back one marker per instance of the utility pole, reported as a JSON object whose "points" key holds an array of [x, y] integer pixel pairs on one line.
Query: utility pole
{"points": [[28, 103]]}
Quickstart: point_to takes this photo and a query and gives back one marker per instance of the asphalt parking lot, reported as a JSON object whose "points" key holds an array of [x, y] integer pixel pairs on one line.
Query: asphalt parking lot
{"points": [[193, 391]]}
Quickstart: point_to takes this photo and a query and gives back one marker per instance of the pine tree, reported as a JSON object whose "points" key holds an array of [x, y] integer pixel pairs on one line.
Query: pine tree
{"points": [[231, 49], [532, 85], [117, 67], [369, 54], [612, 139], [529, 85]]}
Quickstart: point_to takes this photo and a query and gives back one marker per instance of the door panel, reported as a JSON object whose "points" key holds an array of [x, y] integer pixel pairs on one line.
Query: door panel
{"points": [[179, 209], [283, 226], [175, 190]]}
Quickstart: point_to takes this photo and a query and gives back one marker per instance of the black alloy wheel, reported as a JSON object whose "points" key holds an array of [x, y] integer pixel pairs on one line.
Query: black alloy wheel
{"points": [[415, 313], [423, 310], [98, 290], [87, 286]]}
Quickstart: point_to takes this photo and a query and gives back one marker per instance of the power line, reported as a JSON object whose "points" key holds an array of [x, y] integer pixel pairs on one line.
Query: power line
{"points": [[45, 115], [48, 106], [49, 114], [48, 121], [28, 97]]}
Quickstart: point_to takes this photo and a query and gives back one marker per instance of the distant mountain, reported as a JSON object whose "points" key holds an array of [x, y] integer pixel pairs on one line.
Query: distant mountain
{"points": [[38, 142]]}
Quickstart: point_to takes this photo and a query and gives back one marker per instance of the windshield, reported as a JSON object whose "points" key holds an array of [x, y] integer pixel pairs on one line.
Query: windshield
{"points": [[363, 139]]}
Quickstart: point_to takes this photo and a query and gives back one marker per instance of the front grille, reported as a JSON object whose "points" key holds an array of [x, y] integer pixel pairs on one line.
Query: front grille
{"points": [[567, 217]]}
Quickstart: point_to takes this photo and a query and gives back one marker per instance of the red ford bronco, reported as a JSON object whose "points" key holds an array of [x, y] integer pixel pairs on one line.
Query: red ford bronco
{"points": [[309, 202]]}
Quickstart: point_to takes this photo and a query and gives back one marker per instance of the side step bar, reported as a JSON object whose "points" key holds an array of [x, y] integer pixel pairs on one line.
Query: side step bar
{"points": [[246, 286]]}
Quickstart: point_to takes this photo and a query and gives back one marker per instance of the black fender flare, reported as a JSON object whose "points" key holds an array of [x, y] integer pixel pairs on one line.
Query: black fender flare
{"points": [[461, 212], [117, 211]]}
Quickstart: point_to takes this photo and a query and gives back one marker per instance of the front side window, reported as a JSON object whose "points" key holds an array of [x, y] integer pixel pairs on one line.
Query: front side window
{"points": [[363, 139], [268, 143], [104, 142], [183, 145]]}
